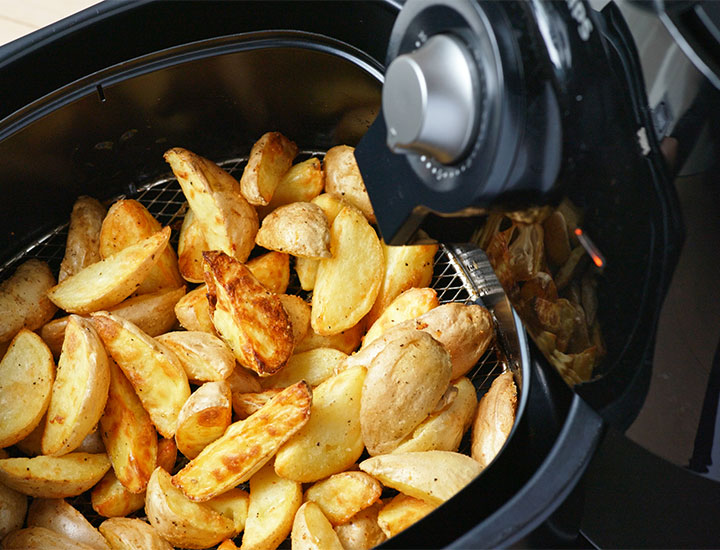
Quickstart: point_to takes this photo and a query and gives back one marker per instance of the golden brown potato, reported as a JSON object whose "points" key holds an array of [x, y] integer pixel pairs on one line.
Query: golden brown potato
{"points": [[227, 544], [342, 178], [128, 433], [234, 506], [401, 512], [494, 419], [228, 222], [153, 313], [203, 356], [107, 283], [154, 370], [403, 385], [249, 318], [348, 283], [405, 267], [23, 299], [245, 446], [193, 311], [191, 245], [80, 389], [312, 531], [270, 158], [298, 311], [362, 532], [242, 380], [82, 246], [180, 521], [92, 443], [301, 183], [346, 341], [60, 517], [127, 223], [314, 366], [331, 441], [27, 372], [54, 476], [343, 495], [411, 303], [245, 404], [40, 538], [205, 416], [306, 269], [299, 228], [331, 205], [132, 534], [273, 504], [13, 506], [433, 476], [272, 270]]}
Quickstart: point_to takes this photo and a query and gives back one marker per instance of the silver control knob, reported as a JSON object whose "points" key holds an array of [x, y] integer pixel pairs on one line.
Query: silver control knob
{"points": [[429, 100]]}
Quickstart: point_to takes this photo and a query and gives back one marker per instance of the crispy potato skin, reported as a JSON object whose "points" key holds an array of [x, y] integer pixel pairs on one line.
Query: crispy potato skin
{"points": [[401, 512], [270, 158], [342, 178], [300, 229], [494, 418], [343, 495], [204, 356], [132, 534], [41, 538], [272, 270], [362, 532], [193, 311], [301, 183], [204, 418], [82, 247], [60, 517], [312, 531]]}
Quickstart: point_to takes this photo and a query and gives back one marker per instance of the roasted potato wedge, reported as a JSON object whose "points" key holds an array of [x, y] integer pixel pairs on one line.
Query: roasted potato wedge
{"points": [[127, 223], [314, 366], [312, 531], [92, 443], [270, 158], [228, 222], [13, 506], [191, 245], [348, 283], [203, 356], [272, 270], [301, 183], [80, 389], [154, 370], [306, 269], [401, 512], [234, 506], [193, 311], [298, 312], [343, 495], [362, 532], [204, 417], [27, 372], [180, 521], [411, 303], [494, 419], [23, 299], [132, 534], [54, 476], [403, 385], [346, 341], [299, 228], [245, 404], [108, 282], [60, 517], [82, 246], [128, 433], [433, 476], [242, 380], [273, 504], [246, 445], [41, 538], [342, 178], [331, 440], [249, 318]]}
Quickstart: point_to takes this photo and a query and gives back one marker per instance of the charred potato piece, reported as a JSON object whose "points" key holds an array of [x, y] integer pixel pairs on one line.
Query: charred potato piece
{"points": [[342, 178], [311, 530], [494, 419], [203, 356], [270, 158], [299, 228], [82, 246], [204, 418]]}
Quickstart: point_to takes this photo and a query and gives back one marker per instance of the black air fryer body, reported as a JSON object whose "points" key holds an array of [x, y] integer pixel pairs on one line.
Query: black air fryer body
{"points": [[90, 105]]}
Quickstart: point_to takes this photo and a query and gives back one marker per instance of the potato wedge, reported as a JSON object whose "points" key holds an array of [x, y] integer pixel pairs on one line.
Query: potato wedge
{"points": [[180, 521], [273, 504], [154, 371], [272, 270], [13, 506], [443, 431], [312, 531], [401, 512], [270, 158], [54, 476], [27, 372], [40, 538], [203, 356], [405, 267], [494, 419], [249, 318], [107, 283], [127, 223], [301, 183], [128, 433], [23, 299], [403, 385], [362, 532], [132, 534], [80, 389], [191, 245], [242, 380], [193, 311], [433, 476], [331, 205], [298, 311], [59, 516], [234, 506], [92, 442], [343, 495], [298, 228], [154, 313], [229, 223], [346, 341], [314, 366], [331, 440], [245, 404], [306, 269], [348, 283], [204, 418], [82, 246], [411, 303], [246, 445], [227, 544], [342, 178]]}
